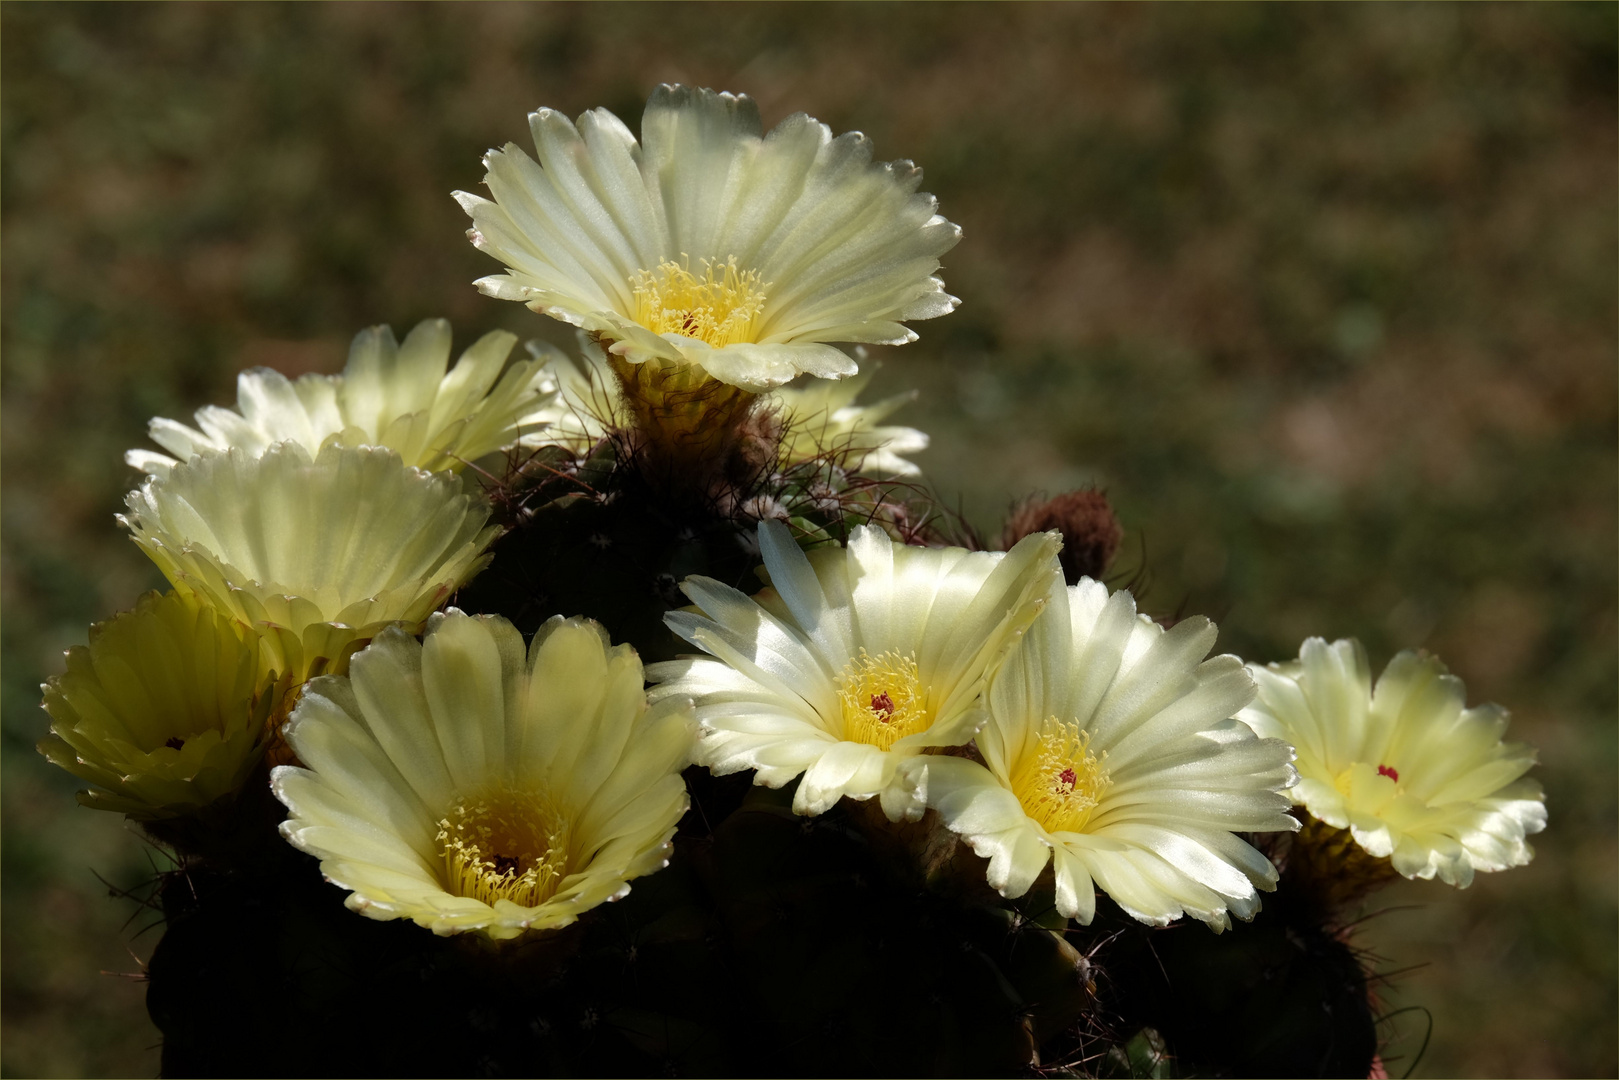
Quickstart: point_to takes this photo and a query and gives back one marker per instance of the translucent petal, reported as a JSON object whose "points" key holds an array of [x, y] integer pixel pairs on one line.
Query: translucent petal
{"points": [[1413, 774], [165, 710], [390, 394], [1092, 691], [950, 611], [559, 736], [845, 249]]}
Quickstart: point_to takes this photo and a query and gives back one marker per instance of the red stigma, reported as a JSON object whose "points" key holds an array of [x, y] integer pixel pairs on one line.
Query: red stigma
{"points": [[1068, 778], [1392, 774], [883, 706]]}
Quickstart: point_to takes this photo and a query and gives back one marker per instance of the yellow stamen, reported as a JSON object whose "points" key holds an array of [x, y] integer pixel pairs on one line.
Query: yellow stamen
{"points": [[1062, 782], [883, 699], [505, 843], [718, 308]]}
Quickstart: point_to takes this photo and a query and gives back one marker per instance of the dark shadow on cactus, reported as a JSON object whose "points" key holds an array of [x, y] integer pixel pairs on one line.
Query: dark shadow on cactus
{"points": [[805, 943], [1283, 995], [591, 536]]}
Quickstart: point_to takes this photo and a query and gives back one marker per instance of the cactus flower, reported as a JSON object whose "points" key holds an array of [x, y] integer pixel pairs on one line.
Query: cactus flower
{"points": [[316, 554], [1110, 753], [710, 243], [470, 785], [389, 394], [164, 712], [853, 661], [1413, 774]]}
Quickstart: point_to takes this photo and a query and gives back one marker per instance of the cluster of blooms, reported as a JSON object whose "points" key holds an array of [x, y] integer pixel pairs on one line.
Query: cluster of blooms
{"points": [[293, 531], [445, 772]]}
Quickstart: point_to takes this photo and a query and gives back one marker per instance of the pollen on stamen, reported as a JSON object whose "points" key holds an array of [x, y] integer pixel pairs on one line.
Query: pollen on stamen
{"points": [[719, 308], [1389, 771], [882, 699], [1061, 782], [505, 843]]}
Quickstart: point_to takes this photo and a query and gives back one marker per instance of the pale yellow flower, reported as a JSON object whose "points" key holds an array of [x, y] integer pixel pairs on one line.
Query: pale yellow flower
{"points": [[819, 417], [853, 662], [587, 404], [319, 554], [389, 394], [823, 418], [465, 786], [1112, 754], [711, 243], [164, 712], [1405, 766]]}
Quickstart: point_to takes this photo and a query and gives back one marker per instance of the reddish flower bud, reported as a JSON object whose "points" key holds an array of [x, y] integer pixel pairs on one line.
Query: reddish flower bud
{"points": [[1090, 533]]}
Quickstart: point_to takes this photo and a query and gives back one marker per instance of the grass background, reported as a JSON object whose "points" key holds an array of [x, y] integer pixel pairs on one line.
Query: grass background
{"points": [[1324, 296]]}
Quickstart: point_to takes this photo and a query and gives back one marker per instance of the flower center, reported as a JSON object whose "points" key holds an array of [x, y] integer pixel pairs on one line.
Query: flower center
{"points": [[505, 843], [1359, 784], [883, 699], [1062, 781], [718, 308]]}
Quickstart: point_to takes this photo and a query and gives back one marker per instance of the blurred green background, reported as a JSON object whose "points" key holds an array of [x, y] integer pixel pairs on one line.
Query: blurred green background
{"points": [[1324, 296]]}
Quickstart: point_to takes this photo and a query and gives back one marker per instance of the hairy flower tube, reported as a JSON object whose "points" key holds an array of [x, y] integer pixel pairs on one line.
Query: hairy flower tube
{"points": [[853, 661], [164, 712], [1413, 774], [389, 394], [710, 243], [820, 418], [1111, 754], [317, 554], [466, 784]]}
